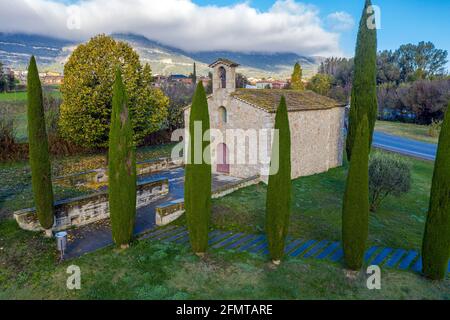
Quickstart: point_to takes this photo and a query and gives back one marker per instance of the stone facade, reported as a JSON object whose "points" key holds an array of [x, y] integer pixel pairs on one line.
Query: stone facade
{"points": [[316, 124]]}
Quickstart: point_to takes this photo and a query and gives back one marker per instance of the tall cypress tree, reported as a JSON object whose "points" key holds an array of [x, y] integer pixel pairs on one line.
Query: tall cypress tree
{"points": [[194, 75], [296, 78], [278, 203], [364, 85], [41, 177], [197, 187], [436, 241], [122, 167], [355, 211]]}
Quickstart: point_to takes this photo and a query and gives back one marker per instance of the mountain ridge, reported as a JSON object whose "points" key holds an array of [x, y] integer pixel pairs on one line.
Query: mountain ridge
{"points": [[52, 53]]}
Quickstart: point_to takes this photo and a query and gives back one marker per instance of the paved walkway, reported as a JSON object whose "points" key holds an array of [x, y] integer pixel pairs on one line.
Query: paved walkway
{"points": [[321, 250], [409, 147], [98, 235]]}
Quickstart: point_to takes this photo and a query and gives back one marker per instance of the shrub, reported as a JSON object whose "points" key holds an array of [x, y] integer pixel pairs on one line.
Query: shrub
{"points": [[38, 149], [364, 88], [436, 240], [278, 203], [434, 128], [320, 83], [87, 93], [197, 186], [388, 175], [355, 210], [7, 137], [122, 167]]}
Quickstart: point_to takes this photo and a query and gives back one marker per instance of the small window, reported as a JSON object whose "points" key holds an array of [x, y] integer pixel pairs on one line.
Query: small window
{"points": [[223, 115]]}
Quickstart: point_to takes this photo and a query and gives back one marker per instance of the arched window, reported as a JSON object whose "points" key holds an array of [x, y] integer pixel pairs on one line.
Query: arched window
{"points": [[223, 115], [223, 77]]}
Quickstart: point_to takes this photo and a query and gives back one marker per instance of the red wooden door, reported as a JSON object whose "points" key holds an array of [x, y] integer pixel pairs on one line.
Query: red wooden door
{"points": [[222, 159]]}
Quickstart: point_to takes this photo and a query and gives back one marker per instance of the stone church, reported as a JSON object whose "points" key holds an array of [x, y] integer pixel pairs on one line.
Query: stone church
{"points": [[316, 124]]}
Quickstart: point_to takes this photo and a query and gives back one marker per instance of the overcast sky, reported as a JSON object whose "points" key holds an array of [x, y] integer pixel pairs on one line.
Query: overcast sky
{"points": [[308, 27], [285, 26]]}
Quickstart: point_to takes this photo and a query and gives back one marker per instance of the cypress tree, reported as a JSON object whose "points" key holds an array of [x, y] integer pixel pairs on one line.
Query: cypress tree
{"points": [[296, 78], [436, 241], [41, 178], [122, 167], [197, 187], [364, 85], [194, 75], [278, 203], [355, 211]]}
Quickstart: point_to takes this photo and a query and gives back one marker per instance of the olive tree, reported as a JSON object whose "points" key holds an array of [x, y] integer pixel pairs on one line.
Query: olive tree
{"points": [[389, 175]]}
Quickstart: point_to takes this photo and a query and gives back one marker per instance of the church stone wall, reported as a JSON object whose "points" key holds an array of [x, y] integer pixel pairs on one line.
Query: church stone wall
{"points": [[317, 138], [316, 135]]}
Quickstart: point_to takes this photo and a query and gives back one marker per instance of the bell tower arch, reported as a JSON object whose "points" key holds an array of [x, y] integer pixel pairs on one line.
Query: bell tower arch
{"points": [[224, 75]]}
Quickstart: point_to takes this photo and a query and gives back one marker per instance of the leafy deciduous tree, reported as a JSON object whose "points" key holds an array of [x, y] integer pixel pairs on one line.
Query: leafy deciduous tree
{"points": [[296, 78], [388, 175], [88, 87], [320, 83]]}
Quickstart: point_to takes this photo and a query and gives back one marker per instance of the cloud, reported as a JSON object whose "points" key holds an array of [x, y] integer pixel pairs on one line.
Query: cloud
{"points": [[340, 21], [288, 26]]}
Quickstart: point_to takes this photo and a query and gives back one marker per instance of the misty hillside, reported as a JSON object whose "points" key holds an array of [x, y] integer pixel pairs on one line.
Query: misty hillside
{"points": [[51, 54]]}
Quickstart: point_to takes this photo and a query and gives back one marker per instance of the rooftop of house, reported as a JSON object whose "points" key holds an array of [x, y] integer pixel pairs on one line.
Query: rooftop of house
{"points": [[268, 99], [178, 76]]}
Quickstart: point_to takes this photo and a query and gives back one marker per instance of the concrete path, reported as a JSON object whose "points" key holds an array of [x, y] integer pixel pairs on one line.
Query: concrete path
{"points": [[405, 146], [98, 235]]}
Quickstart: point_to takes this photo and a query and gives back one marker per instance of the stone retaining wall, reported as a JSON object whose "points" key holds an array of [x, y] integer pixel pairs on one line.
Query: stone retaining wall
{"points": [[97, 178], [170, 211], [87, 209]]}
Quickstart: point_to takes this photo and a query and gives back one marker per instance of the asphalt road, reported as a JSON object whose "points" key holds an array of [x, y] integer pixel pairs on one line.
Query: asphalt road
{"points": [[405, 146]]}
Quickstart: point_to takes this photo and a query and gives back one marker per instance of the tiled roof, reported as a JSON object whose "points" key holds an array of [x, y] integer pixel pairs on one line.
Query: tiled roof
{"points": [[268, 99], [224, 61]]}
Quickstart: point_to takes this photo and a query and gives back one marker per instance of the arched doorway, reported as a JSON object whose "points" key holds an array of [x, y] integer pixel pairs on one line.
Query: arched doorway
{"points": [[222, 159]]}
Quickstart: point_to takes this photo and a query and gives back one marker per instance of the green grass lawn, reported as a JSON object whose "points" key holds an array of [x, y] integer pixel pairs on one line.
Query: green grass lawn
{"points": [[13, 105], [152, 270], [13, 96], [316, 209], [21, 96], [407, 130]]}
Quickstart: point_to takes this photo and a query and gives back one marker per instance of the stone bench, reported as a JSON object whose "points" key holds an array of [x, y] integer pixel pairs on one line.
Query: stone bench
{"points": [[169, 211], [83, 210]]}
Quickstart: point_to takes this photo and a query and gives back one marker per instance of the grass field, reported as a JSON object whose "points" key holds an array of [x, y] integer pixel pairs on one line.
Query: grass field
{"points": [[13, 105], [316, 209], [22, 95], [150, 270], [407, 130]]}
